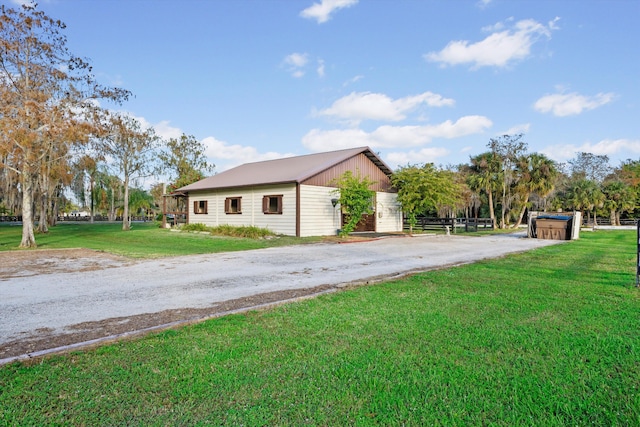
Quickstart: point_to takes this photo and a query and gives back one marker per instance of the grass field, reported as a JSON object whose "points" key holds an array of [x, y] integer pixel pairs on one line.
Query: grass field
{"points": [[145, 240], [549, 337]]}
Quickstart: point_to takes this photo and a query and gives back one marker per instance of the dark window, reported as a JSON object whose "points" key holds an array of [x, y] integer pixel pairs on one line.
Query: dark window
{"points": [[272, 204], [200, 207], [232, 205]]}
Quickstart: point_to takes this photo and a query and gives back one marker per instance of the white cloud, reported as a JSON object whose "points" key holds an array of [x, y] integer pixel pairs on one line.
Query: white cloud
{"points": [[234, 154], [570, 104], [353, 80], [164, 130], [320, 68], [393, 136], [499, 49], [426, 155], [295, 63], [521, 128], [609, 147], [322, 11], [358, 106], [484, 3]]}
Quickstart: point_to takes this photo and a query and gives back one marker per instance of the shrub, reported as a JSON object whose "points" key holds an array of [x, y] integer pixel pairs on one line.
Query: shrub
{"points": [[248, 232]]}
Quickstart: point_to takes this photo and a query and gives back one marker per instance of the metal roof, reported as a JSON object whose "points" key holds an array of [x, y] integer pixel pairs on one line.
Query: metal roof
{"points": [[287, 170]]}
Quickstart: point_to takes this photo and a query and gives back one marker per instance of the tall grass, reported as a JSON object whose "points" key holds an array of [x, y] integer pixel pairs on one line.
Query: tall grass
{"points": [[549, 337]]}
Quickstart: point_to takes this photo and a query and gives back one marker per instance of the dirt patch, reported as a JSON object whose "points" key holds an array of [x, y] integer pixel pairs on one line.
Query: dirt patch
{"points": [[27, 263]]}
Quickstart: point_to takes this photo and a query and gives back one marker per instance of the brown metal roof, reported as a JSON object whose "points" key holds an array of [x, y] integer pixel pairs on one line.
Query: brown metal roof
{"points": [[280, 171]]}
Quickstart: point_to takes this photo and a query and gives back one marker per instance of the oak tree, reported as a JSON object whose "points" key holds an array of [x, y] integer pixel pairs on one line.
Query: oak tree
{"points": [[47, 101], [185, 160]]}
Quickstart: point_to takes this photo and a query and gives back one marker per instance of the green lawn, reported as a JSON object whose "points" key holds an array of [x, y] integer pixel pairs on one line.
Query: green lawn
{"points": [[145, 240], [549, 337]]}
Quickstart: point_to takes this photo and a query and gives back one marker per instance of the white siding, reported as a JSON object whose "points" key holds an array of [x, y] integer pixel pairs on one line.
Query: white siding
{"points": [[318, 217], [388, 213], [251, 207]]}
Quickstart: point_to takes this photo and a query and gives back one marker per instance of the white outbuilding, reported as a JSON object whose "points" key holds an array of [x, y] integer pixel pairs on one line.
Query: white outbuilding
{"points": [[293, 196]]}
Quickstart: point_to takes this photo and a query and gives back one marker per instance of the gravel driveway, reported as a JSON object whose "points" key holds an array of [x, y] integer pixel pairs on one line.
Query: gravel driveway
{"points": [[56, 309]]}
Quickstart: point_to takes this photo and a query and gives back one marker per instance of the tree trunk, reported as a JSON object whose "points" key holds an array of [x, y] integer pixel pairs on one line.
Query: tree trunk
{"points": [[503, 207], [492, 213], [126, 224], [53, 219], [42, 220], [28, 238], [612, 217], [524, 208], [112, 206], [93, 210], [42, 205]]}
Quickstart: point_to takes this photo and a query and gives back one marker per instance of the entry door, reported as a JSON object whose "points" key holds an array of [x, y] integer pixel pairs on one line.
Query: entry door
{"points": [[366, 223]]}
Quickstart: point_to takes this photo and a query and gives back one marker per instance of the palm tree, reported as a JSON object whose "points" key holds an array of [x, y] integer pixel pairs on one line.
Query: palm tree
{"points": [[485, 176], [537, 174], [140, 201], [619, 197], [585, 194]]}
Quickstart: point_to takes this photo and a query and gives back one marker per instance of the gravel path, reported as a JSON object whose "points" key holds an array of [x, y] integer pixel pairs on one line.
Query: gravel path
{"points": [[60, 304]]}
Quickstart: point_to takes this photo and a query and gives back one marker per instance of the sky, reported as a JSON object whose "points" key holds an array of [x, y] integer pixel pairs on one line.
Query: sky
{"points": [[415, 80]]}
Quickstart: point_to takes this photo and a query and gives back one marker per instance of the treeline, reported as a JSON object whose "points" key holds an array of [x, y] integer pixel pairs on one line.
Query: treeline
{"points": [[59, 136], [507, 180]]}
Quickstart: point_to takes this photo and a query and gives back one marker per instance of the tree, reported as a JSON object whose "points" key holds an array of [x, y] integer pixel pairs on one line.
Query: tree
{"points": [[133, 151], [537, 174], [47, 101], [424, 188], [507, 148], [140, 202], [484, 175], [108, 193], [355, 198], [589, 166], [86, 167], [618, 197], [585, 194], [185, 159]]}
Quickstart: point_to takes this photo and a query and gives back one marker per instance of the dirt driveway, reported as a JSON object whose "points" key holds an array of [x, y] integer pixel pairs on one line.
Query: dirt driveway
{"points": [[58, 300]]}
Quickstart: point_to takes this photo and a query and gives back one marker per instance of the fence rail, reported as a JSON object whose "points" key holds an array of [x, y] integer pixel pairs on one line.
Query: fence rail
{"points": [[588, 222], [97, 218], [452, 224]]}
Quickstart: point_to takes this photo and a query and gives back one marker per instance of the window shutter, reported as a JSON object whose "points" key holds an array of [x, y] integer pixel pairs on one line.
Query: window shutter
{"points": [[265, 204], [227, 202], [195, 207], [239, 205], [279, 204]]}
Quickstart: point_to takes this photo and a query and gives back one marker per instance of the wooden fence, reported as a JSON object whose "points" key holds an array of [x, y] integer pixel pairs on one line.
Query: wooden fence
{"points": [[451, 224], [97, 218]]}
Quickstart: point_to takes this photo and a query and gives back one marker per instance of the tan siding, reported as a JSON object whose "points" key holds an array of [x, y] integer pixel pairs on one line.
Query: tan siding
{"points": [[318, 217], [359, 163]]}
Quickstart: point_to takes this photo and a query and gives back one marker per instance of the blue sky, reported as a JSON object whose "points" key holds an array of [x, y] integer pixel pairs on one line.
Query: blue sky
{"points": [[417, 81]]}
